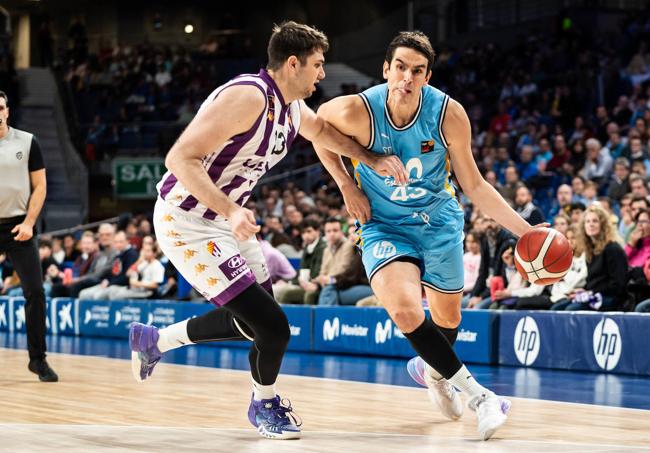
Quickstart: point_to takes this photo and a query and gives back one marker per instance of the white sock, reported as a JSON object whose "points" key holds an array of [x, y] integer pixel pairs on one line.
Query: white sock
{"points": [[263, 392], [430, 372], [465, 382], [174, 336]]}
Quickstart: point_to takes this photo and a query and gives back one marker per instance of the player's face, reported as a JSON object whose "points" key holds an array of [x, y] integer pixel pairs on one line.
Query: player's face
{"points": [[406, 74], [310, 74]]}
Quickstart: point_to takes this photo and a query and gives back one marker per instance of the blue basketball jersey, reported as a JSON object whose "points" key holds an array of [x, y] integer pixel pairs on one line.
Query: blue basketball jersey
{"points": [[422, 148]]}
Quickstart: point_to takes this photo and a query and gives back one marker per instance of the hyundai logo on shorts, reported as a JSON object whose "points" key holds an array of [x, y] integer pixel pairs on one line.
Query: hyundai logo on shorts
{"points": [[235, 262]]}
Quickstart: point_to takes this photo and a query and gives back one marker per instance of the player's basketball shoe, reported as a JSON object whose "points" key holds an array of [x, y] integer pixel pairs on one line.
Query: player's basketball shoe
{"points": [[491, 413], [143, 341], [271, 418], [441, 392]]}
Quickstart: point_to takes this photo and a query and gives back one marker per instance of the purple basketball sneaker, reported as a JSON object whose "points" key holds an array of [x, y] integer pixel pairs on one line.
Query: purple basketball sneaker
{"points": [[145, 355], [271, 420]]}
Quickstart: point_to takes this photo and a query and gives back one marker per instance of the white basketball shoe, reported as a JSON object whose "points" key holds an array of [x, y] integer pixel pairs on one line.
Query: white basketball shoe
{"points": [[440, 391], [491, 413]]}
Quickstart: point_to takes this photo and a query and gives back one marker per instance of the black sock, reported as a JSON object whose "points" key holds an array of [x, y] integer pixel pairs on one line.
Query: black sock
{"points": [[450, 334], [434, 348], [217, 325]]}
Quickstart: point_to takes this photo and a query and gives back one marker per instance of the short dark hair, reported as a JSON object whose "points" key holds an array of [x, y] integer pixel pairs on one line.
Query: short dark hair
{"points": [[333, 220], [4, 96], [309, 222], [44, 242], [291, 38], [415, 40], [637, 198]]}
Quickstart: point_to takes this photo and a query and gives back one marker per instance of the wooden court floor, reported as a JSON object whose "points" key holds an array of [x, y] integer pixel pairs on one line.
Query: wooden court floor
{"points": [[98, 407]]}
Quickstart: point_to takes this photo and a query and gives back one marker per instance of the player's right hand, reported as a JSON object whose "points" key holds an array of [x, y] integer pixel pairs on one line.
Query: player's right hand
{"points": [[356, 203], [390, 166], [242, 223]]}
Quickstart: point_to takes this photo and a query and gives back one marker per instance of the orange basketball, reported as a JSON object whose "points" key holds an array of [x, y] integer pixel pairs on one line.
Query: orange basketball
{"points": [[543, 256]]}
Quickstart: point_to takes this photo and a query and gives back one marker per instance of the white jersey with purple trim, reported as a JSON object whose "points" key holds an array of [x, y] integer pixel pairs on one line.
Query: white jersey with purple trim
{"points": [[237, 165]]}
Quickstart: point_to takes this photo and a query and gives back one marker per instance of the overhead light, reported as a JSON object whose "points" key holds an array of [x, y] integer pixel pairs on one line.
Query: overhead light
{"points": [[189, 28]]}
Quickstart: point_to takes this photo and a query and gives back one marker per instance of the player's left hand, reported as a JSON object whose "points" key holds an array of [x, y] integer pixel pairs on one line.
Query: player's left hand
{"points": [[356, 203], [390, 166], [23, 232]]}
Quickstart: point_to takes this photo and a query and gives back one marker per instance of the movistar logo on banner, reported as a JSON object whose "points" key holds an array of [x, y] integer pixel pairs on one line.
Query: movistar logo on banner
{"points": [[386, 331], [334, 328]]}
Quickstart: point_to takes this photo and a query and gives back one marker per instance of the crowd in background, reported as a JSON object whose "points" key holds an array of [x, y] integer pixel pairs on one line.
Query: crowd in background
{"points": [[561, 128]]}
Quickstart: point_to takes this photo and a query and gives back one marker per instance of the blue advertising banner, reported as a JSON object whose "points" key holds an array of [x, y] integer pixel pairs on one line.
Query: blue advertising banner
{"points": [[478, 336], [64, 315], [360, 330], [613, 342], [4, 314], [16, 315]]}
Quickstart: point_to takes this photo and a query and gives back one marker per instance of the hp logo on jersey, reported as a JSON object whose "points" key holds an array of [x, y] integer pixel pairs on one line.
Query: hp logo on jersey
{"points": [[383, 249], [527, 340], [607, 344]]}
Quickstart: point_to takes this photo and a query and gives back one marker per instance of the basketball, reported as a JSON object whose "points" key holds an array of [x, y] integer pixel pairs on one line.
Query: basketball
{"points": [[543, 256]]}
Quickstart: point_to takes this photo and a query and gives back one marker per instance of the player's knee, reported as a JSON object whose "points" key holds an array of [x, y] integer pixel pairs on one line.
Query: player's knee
{"points": [[449, 320], [407, 319]]}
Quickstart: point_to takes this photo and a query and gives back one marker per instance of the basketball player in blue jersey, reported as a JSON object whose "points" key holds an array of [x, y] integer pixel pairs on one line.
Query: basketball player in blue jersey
{"points": [[412, 235], [240, 131]]}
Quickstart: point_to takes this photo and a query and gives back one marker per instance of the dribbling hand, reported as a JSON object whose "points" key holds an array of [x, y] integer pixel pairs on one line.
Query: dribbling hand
{"points": [[242, 223], [356, 203]]}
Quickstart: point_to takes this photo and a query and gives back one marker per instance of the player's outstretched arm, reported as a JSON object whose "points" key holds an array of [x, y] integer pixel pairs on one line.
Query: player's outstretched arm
{"points": [[457, 130], [320, 132], [233, 112], [340, 113]]}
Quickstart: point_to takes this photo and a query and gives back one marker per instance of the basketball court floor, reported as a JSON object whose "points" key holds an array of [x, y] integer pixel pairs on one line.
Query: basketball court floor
{"points": [[198, 397]]}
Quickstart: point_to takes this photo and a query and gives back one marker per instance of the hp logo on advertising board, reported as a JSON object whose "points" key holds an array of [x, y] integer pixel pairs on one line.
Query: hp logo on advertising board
{"points": [[527, 341], [607, 344]]}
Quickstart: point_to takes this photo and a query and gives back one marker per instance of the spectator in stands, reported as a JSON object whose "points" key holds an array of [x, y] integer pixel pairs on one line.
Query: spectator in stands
{"points": [[81, 266], [493, 243], [578, 186], [116, 275], [635, 149], [145, 277], [57, 250], [605, 287], [615, 145], [471, 262], [561, 154], [637, 204], [598, 164], [509, 189], [337, 256], [576, 212], [619, 184], [561, 223], [100, 266], [637, 247], [525, 207], [283, 243], [350, 284], [638, 186], [626, 222], [563, 200], [277, 265], [527, 167], [507, 287], [303, 290], [70, 248], [575, 278], [590, 192], [578, 157]]}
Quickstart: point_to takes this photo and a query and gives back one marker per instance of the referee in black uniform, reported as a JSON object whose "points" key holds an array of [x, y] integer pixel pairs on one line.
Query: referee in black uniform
{"points": [[22, 193]]}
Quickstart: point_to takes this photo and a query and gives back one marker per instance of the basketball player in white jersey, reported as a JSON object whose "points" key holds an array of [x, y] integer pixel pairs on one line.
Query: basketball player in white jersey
{"points": [[242, 130]]}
